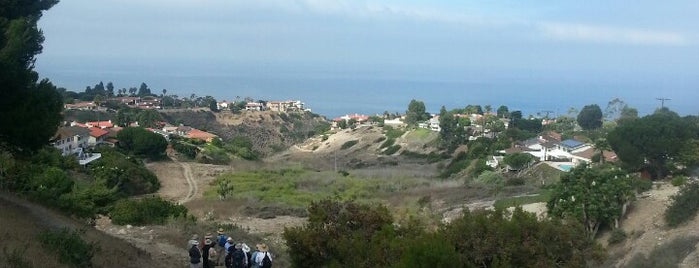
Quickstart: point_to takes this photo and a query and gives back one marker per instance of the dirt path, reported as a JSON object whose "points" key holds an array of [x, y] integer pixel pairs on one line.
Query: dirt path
{"points": [[191, 183]]}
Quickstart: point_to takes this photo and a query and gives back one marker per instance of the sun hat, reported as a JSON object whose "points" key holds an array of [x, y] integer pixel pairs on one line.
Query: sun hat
{"points": [[207, 241], [246, 248], [262, 247], [230, 239], [238, 246], [195, 242], [220, 230]]}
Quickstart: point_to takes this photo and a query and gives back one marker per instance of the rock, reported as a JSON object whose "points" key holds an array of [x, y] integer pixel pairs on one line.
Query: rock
{"points": [[121, 232], [128, 226]]}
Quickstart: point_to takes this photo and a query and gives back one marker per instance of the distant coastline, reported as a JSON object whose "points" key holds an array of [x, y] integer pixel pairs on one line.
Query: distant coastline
{"points": [[332, 97]]}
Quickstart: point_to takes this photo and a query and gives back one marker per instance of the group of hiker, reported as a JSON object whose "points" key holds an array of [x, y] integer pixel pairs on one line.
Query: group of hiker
{"points": [[221, 250]]}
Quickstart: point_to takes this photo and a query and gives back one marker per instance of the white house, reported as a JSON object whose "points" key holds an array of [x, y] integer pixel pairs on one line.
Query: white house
{"points": [[71, 140]]}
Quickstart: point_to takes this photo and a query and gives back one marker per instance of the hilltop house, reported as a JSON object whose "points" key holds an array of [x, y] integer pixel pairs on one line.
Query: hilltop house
{"points": [[285, 106], [222, 105], [254, 106], [80, 106]]}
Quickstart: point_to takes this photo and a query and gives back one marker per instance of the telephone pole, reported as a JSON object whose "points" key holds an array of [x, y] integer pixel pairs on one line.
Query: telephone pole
{"points": [[662, 101]]}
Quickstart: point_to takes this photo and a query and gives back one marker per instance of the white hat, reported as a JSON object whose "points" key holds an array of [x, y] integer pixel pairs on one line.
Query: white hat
{"points": [[246, 249], [195, 242]]}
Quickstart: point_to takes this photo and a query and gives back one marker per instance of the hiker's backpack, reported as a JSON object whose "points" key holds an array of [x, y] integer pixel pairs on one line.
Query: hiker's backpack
{"points": [[222, 240], [238, 258], [252, 258], [266, 261]]}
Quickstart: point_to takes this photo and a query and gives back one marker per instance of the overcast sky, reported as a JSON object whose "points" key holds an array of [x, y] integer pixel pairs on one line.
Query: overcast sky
{"points": [[610, 40]]}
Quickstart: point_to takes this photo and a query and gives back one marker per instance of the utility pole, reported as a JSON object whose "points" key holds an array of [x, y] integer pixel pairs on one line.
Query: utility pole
{"points": [[662, 101]]}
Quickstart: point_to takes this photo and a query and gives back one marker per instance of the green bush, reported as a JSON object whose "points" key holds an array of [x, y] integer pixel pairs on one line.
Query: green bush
{"points": [[641, 185], [678, 181], [617, 236], [71, 248], [142, 142], [186, 149], [128, 174], [151, 210], [348, 144], [491, 177], [684, 205], [392, 149], [387, 143], [517, 181]]}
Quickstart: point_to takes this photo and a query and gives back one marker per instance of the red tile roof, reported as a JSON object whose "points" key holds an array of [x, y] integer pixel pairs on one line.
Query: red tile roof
{"points": [[100, 124], [98, 132], [200, 135]]}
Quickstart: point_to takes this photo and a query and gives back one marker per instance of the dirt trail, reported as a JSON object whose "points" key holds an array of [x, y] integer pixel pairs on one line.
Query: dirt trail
{"points": [[191, 183]]}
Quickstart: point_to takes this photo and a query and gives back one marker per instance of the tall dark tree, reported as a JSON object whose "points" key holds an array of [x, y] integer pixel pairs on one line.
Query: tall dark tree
{"points": [[415, 113], [590, 117], [29, 109], [654, 142], [451, 133], [503, 111], [110, 89], [143, 90]]}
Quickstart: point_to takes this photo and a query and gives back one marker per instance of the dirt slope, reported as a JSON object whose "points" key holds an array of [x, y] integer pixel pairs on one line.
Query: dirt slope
{"points": [[22, 221]]}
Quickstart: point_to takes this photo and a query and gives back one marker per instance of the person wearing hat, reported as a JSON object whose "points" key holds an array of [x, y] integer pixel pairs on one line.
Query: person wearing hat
{"points": [[221, 243], [209, 256], [262, 255], [194, 254]]}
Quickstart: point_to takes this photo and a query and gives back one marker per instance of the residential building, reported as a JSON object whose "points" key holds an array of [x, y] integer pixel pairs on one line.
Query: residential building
{"points": [[100, 124], [222, 105], [80, 106], [69, 139], [254, 106], [97, 136], [201, 135]]}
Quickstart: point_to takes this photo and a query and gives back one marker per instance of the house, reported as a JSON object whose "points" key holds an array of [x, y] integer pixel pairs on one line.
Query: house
{"points": [[100, 124], [434, 124], [183, 130], [222, 105], [69, 139], [572, 146], [97, 136], [201, 135], [494, 161], [148, 102], [254, 106], [130, 101], [284, 106], [393, 122], [80, 106]]}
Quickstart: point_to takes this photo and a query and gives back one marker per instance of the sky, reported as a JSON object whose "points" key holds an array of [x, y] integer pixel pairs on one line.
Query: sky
{"points": [[619, 42]]}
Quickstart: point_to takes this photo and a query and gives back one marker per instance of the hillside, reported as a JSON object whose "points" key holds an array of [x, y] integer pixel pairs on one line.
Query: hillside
{"points": [[22, 223], [269, 131]]}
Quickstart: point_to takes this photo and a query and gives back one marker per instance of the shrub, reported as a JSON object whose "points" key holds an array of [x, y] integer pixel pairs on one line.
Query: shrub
{"points": [[186, 149], [392, 150], [515, 181], [617, 236], [127, 173], [641, 185], [72, 250], [151, 210], [684, 205], [387, 143], [348, 144], [142, 142], [678, 181], [490, 177]]}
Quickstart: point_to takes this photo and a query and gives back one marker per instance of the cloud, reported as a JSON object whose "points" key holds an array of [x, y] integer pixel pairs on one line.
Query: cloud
{"points": [[606, 34]]}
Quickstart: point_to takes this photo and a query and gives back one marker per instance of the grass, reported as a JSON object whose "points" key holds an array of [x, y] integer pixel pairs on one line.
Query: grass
{"points": [[543, 196], [419, 134], [297, 188], [543, 174], [669, 254], [348, 144]]}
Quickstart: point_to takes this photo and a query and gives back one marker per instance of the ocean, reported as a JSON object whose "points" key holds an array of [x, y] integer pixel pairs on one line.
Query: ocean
{"points": [[336, 95]]}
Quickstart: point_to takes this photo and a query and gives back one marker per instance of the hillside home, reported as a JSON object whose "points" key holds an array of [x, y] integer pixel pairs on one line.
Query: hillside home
{"points": [[100, 124], [201, 135], [222, 105], [254, 106], [97, 136], [69, 139]]}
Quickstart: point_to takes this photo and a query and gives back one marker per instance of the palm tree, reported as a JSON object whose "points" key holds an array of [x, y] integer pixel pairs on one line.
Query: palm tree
{"points": [[602, 145]]}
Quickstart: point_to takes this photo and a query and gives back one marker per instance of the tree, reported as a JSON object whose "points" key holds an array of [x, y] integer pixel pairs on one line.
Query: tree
{"points": [[416, 113], [132, 91], [488, 109], [653, 142], [518, 161], [164, 93], [149, 118], [143, 90], [451, 133], [110, 89], [142, 142], [593, 195], [473, 109], [30, 109], [503, 111], [590, 117], [614, 109]]}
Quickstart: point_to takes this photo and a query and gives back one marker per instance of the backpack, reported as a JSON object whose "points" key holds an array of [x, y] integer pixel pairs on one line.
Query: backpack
{"points": [[222, 240], [228, 261], [252, 258], [238, 258], [266, 261]]}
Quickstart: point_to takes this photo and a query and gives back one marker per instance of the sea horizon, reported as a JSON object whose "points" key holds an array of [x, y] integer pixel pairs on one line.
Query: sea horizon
{"points": [[335, 95]]}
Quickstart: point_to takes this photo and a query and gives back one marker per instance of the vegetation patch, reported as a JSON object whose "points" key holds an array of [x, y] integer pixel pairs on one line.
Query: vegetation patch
{"points": [[70, 247], [544, 195], [150, 210], [297, 188], [348, 144], [392, 149], [684, 205], [618, 235]]}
